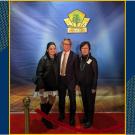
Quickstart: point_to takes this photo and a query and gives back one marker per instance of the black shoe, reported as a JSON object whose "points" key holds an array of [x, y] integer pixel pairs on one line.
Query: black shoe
{"points": [[48, 107], [47, 123], [61, 117], [83, 120], [43, 107], [72, 122], [87, 125]]}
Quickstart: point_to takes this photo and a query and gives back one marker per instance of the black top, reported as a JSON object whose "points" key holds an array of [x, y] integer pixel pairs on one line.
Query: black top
{"points": [[88, 73], [47, 74]]}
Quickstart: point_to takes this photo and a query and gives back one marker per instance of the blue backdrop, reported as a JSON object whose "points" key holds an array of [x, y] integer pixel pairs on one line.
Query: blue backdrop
{"points": [[34, 24]]}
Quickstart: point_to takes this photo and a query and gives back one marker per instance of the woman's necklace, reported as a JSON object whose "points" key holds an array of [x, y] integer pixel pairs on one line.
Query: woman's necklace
{"points": [[82, 66]]}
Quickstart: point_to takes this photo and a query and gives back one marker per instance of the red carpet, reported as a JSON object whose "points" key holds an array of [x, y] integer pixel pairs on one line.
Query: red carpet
{"points": [[111, 123]]}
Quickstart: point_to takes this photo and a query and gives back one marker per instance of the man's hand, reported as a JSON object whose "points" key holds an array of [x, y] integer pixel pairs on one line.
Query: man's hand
{"points": [[93, 91], [77, 87]]}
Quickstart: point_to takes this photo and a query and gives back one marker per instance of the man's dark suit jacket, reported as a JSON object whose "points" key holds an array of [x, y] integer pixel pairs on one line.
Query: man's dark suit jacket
{"points": [[72, 69]]}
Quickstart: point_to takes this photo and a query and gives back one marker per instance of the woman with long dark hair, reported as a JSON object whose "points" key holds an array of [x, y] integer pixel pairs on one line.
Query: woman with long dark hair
{"points": [[46, 81]]}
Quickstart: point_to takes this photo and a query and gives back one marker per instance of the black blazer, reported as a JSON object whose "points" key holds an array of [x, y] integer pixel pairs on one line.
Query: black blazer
{"points": [[88, 73], [72, 68]]}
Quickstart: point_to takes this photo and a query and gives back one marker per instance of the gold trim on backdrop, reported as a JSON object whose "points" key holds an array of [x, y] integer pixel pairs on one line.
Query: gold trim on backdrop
{"points": [[68, 134], [68, 0], [9, 2]]}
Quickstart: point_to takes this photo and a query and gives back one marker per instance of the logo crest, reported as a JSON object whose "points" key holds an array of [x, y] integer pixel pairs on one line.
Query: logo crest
{"points": [[76, 22]]}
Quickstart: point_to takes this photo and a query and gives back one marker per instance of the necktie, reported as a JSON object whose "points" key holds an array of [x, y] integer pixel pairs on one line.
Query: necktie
{"points": [[63, 65]]}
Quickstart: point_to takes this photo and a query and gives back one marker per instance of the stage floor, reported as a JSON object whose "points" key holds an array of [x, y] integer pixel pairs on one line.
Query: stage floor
{"points": [[108, 99], [104, 123]]}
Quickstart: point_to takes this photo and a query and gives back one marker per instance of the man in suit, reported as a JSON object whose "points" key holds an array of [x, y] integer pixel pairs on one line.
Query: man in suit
{"points": [[68, 68]]}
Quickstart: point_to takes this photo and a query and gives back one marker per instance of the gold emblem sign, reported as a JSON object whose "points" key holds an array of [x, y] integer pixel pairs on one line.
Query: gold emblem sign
{"points": [[76, 22]]}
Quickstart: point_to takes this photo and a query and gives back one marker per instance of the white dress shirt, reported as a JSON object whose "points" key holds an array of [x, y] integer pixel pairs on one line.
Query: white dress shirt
{"points": [[62, 56]]}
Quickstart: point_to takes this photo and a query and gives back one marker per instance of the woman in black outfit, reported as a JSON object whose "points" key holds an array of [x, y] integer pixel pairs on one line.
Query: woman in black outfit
{"points": [[46, 80], [88, 75]]}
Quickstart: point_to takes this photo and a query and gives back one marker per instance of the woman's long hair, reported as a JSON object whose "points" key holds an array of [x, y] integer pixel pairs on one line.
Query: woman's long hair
{"points": [[48, 45]]}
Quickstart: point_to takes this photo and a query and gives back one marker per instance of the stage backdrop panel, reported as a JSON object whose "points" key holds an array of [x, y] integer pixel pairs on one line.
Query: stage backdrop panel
{"points": [[34, 24]]}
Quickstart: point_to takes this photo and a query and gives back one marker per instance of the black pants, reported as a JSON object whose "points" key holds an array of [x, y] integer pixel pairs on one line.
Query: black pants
{"points": [[63, 87], [88, 99]]}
